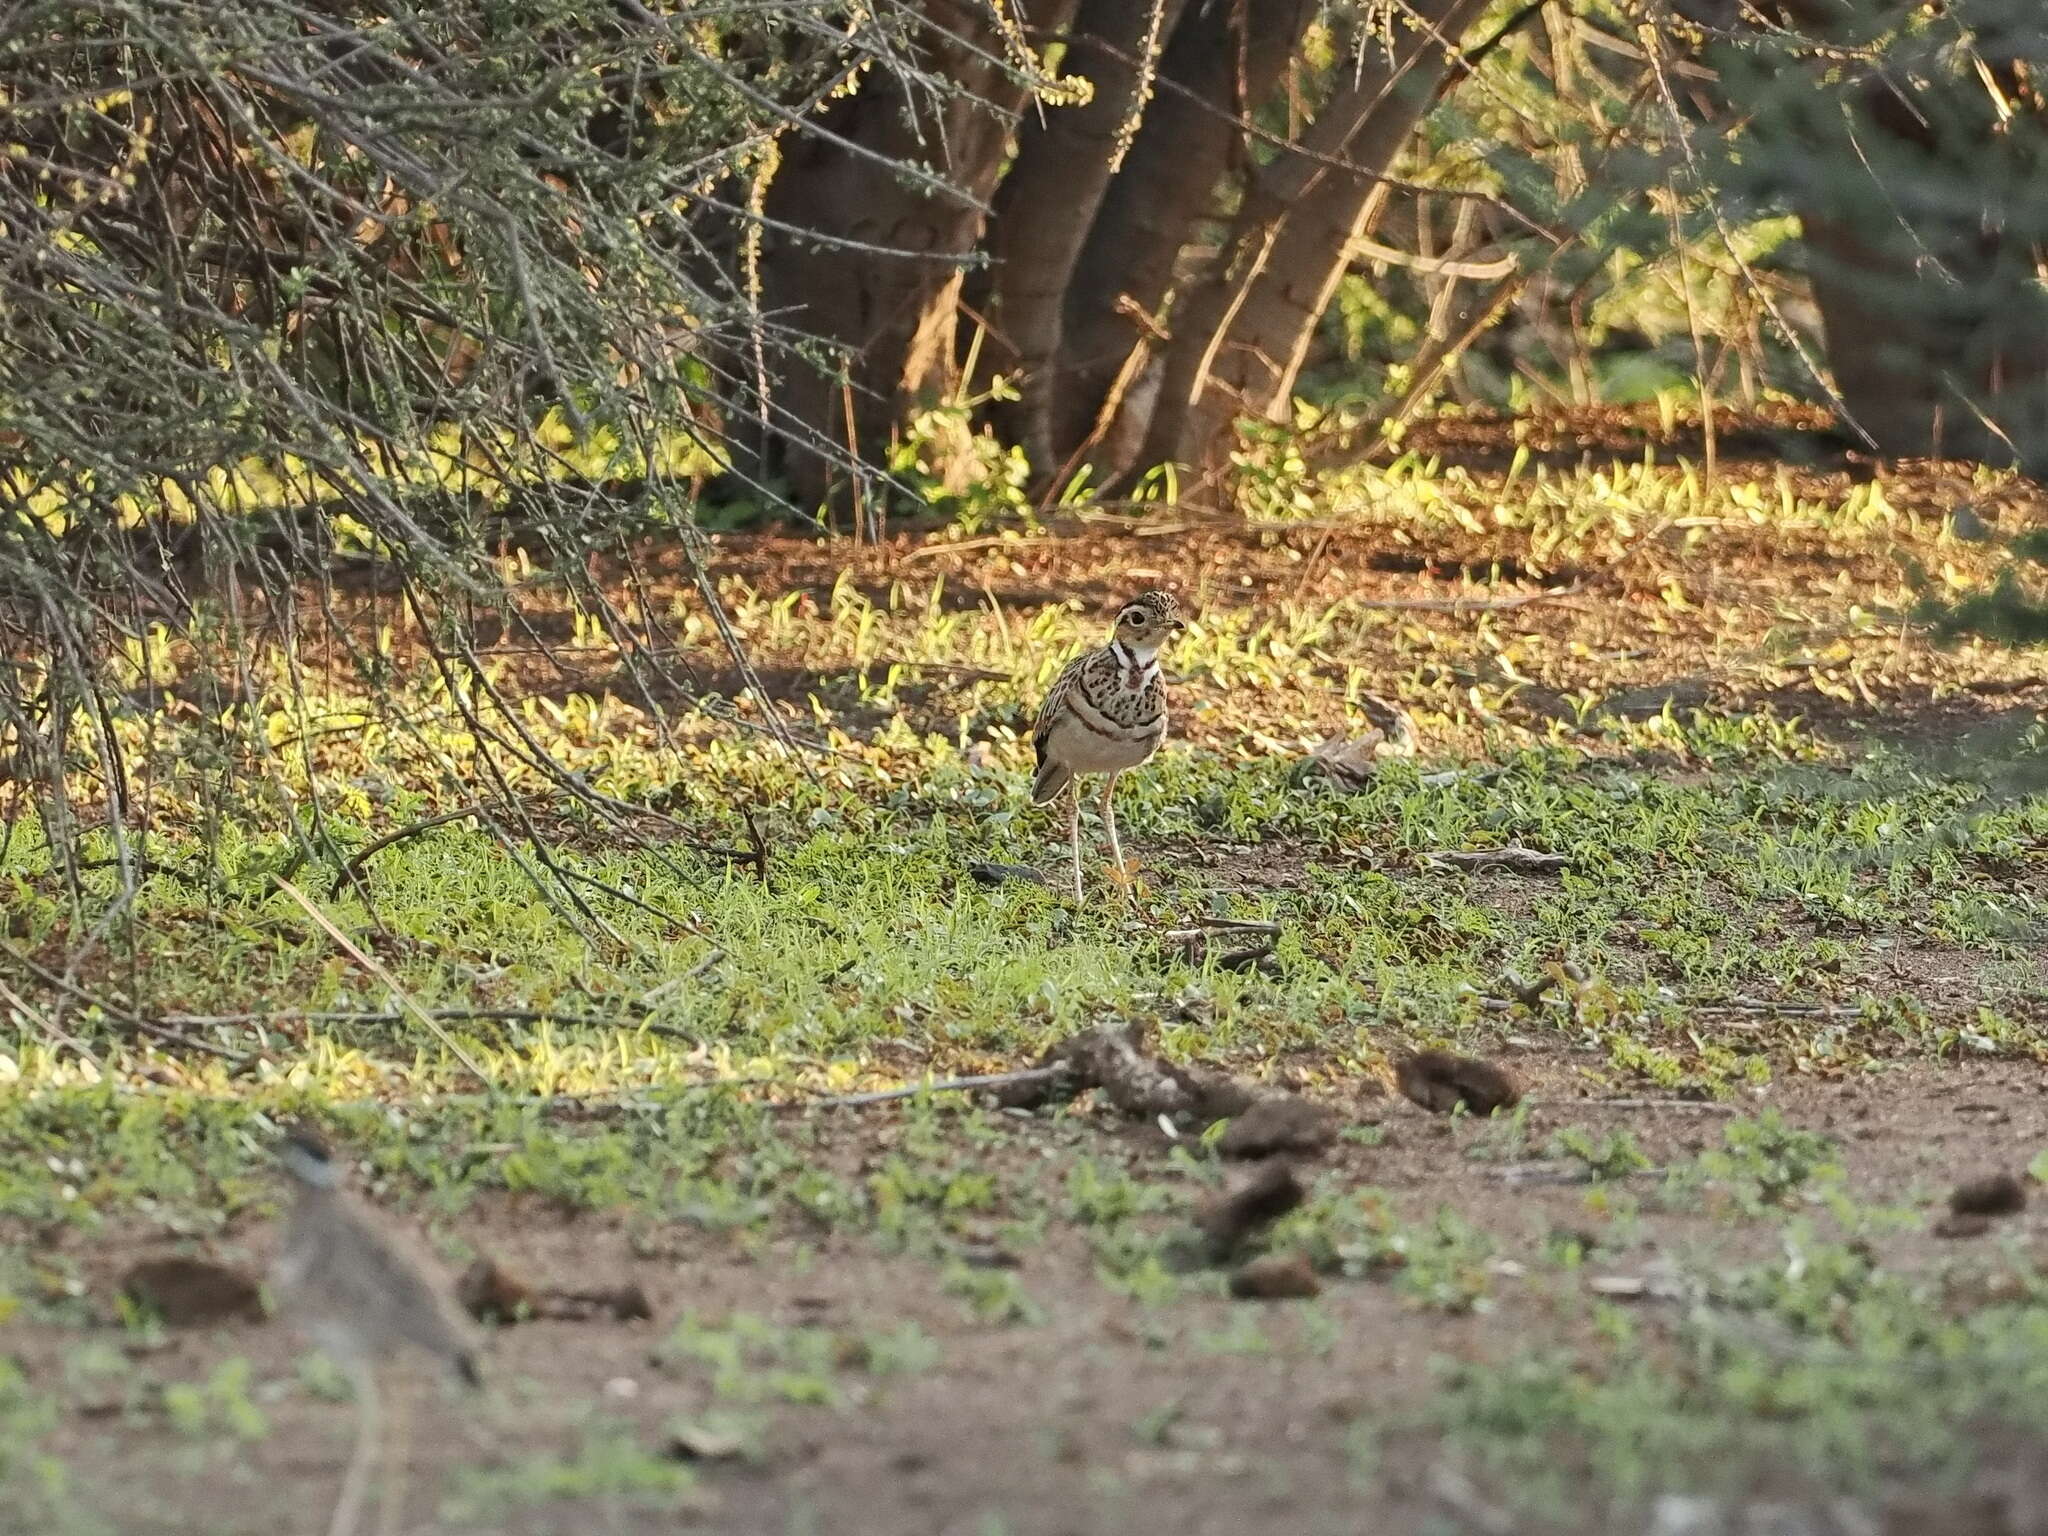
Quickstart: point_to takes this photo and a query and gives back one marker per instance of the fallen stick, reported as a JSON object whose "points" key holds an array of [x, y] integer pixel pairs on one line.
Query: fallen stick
{"points": [[1554, 1172], [946, 668], [115, 1011], [947, 1085], [376, 969], [1697, 1106], [395, 1016], [1195, 925], [1514, 856], [1762, 1005], [352, 872], [695, 973]]}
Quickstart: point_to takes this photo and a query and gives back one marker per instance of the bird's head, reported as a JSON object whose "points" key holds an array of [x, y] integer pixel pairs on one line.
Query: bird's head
{"points": [[1147, 622], [307, 1157]]}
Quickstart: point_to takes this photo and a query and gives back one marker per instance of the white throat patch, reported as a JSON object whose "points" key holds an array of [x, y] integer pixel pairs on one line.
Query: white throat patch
{"points": [[1140, 666]]}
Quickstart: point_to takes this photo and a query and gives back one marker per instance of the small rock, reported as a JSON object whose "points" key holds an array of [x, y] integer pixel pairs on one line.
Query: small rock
{"points": [[1283, 1123], [193, 1293], [1997, 1194], [1440, 1081], [1226, 1221], [705, 1442], [1275, 1277]]}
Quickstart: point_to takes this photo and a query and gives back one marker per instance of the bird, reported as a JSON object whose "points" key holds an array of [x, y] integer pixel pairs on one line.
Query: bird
{"points": [[361, 1290], [1105, 713]]}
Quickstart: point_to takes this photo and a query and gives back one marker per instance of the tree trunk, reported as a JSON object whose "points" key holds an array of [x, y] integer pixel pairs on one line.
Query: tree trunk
{"points": [[1241, 333], [1933, 366], [1049, 200], [880, 287], [1917, 187], [1223, 61], [1932, 308]]}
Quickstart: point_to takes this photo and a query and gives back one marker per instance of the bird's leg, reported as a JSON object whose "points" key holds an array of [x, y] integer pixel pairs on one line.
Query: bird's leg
{"points": [[1116, 848], [348, 1505], [391, 1494], [1074, 836]]}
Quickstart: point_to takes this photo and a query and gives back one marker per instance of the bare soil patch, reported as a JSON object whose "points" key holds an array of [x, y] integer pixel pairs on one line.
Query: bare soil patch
{"points": [[1213, 1415]]}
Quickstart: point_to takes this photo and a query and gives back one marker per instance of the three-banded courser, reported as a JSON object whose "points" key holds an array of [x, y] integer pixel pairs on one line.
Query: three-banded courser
{"points": [[360, 1290], [1106, 713]]}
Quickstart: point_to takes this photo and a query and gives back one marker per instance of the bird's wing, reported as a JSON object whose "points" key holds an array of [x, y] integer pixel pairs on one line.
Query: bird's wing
{"points": [[387, 1261], [1056, 701]]}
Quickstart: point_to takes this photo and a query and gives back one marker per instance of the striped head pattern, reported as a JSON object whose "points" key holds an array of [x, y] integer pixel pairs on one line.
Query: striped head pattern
{"points": [[1147, 622]]}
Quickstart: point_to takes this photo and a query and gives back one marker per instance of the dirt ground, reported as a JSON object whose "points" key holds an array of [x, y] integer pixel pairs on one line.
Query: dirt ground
{"points": [[1101, 1411], [1106, 1414]]}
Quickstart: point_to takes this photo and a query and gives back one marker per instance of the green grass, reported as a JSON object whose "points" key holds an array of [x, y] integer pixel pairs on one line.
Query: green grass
{"points": [[1763, 877], [645, 1014]]}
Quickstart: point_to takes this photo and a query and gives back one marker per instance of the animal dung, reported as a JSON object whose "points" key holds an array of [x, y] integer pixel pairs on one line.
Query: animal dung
{"points": [[1996, 1194], [1236, 1214], [190, 1292], [492, 1294], [1275, 1277], [1441, 1082], [1283, 1123]]}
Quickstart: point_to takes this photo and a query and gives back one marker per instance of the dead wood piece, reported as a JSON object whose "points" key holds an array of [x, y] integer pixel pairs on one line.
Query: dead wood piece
{"points": [[1196, 945], [1252, 957], [1020, 1086], [351, 873], [190, 1292], [1057, 1076], [1236, 924], [1234, 1216], [1282, 1123], [1522, 861], [1145, 1087], [1528, 993], [493, 1294], [625, 1303], [1350, 762], [1112, 1058], [1441, 1082], [984, 873], [1997, 1194], [1275, 1277]]}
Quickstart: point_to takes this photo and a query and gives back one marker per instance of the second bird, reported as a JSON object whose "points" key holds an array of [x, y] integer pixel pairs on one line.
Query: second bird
{"points": [[1106, 713]]}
